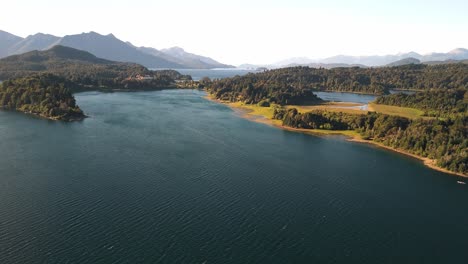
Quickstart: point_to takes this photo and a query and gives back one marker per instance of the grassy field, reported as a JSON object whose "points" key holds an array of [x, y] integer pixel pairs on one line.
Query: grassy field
{"points": [[346, 107], [253, 111], [351, 109], [398, 111], [267, 112], [348, 133]]}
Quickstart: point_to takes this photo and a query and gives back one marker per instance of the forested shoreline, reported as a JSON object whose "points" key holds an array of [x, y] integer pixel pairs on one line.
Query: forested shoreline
{"points": [[434, 103], [294, 85], [445, 141], [45, 95]]}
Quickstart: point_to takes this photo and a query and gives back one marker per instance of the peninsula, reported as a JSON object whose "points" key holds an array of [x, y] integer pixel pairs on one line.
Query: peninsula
{"points": [[431, 125]]}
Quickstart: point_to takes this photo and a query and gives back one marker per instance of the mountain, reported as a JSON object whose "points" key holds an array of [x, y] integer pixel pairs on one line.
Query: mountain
{"points": [[86, 71], [248, 66], [193, 60], [445, 62], [456, 54], [7, 40], [372, 61], [108, 47], [38, 41], [56, 53], [404, 62], [295, 60], [111, 48], [189, 60], [62, 61]]}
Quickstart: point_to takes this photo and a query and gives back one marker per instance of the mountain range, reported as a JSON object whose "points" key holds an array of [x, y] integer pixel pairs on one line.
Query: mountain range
{"points": [[456, 55], [60, 59], [111, 48], [108, 47]]}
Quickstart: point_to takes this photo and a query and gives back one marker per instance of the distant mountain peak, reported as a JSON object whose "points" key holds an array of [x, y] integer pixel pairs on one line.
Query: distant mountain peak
{"points": [[404, 61], [71, 53], [458, 51], [175, 48], [175, 51], [8, 36], [190, 59], [55, 53], [40, 36]]}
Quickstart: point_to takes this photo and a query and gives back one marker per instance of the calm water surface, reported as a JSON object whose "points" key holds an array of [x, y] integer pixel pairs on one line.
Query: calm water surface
{"points": [[169, 177], [197, 74], [346, 97]]}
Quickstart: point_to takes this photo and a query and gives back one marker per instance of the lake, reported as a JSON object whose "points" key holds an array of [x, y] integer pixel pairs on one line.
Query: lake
{"points": [[197, 74], [170, 177], [346, 97]]}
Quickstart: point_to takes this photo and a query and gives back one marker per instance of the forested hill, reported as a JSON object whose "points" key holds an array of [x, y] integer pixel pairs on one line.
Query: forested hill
{"points": [[286, 82], [45, 95], [86, 70], [57, 53]]}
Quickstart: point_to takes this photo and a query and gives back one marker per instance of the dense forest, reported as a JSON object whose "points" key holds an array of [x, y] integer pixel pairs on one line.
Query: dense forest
{"points": [[437, 103], [86, 70], [295, 85], [445, 141], [45, 95], [251, 91]]}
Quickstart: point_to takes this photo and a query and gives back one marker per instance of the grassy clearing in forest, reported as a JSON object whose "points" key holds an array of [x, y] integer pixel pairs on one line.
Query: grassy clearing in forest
{"points": [[407, 112]]}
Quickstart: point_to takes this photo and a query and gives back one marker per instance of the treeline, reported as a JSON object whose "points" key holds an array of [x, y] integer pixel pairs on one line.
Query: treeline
{"points": [[437, 103], [294, 85], [252, 89], [445, 141], [103, 77], [45, 95]]}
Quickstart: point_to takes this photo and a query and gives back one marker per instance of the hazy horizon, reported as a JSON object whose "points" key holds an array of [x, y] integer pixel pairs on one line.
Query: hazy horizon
{"points": [[257, 32]]}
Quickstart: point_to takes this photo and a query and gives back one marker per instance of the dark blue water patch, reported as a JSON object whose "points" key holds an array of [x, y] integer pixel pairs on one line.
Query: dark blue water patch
{"points": [[402, 91], [215, 74], [169, 177], [346, 97]]}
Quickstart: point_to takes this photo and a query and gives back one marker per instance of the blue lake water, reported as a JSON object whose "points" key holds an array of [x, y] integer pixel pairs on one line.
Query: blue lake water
{"points": [[214, 74], [169, 177], [346, 97]]}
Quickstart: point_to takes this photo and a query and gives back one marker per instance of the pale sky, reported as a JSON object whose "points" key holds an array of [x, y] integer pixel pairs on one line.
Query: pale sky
{"points": [[250, 31]]}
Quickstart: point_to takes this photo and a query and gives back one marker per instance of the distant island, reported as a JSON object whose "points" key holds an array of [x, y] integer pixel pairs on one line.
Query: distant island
{"points": [[431, 124]]}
